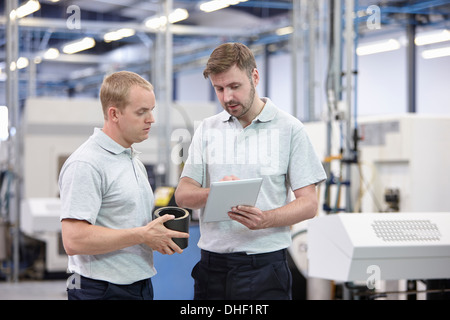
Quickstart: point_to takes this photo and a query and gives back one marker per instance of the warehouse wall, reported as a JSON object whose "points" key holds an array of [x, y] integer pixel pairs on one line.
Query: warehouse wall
{"points": [[381, 84]]}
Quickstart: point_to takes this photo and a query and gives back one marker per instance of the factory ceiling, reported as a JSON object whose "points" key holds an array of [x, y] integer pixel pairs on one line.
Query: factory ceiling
{"points": [[57, 23], [49, 26]]}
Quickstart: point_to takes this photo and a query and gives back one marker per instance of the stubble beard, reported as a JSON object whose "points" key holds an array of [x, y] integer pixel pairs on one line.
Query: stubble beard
{"points": [[247, 105]]}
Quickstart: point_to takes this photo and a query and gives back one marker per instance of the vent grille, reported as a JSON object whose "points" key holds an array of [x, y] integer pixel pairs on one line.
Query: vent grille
{"points": [[406, 230]]}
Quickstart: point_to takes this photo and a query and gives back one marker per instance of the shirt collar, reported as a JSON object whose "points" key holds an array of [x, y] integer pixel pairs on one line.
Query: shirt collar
{"points": [[104, 141], [267, 114], [269, 111]]}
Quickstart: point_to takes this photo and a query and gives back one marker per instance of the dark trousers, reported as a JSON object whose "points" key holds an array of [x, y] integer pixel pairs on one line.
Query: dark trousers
{"points": [[91, 289], [238, 276]]}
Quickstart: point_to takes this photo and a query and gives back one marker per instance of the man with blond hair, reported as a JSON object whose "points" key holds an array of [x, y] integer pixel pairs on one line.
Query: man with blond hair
{"points": [[107, 201]]}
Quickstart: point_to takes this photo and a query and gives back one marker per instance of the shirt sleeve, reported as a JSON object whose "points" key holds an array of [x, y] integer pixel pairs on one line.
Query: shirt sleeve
{"points": [[80, 192], [194, 166], [305, 168]]}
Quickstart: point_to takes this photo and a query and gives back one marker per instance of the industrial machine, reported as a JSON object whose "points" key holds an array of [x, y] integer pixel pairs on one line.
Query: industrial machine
{"points": [[401, 177], [40, 220], [390, 246], [405, 156], [402, 157]]}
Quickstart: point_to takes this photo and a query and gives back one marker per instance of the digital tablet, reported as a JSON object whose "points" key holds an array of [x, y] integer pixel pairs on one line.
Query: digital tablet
{"points": [[223, 195]]}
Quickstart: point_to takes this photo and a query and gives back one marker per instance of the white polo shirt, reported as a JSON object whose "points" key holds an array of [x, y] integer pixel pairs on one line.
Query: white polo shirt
{"points": [[275, 147], [107, 185]]}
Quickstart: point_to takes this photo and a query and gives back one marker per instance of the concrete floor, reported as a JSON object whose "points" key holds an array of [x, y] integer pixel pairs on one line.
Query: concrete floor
{"points": [[33, 290]]}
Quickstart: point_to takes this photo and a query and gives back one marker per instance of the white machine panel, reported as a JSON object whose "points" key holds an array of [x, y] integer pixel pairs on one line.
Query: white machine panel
{"points": [[39, 219], [404, 152], [346, 246], [40, 215]]}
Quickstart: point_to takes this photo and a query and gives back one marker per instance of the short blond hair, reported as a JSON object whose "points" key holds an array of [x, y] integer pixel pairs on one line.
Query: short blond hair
{"points": [[116, 87]]}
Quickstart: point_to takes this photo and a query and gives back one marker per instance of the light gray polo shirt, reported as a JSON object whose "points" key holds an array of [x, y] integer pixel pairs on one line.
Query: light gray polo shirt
{"points": [[107, 185], [275, 147]]}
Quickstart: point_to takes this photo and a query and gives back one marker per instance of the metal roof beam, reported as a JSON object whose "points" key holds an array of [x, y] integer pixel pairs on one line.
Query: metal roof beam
{"points": [[266, 4], [104, 26], [418, 8]]}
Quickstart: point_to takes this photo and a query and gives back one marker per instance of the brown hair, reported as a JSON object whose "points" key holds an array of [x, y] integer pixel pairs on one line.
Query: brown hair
{"points": [[116, 87], [227, 55]]}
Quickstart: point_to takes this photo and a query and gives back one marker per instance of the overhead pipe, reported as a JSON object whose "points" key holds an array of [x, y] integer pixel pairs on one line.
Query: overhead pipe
{"points": [[411, 63]]}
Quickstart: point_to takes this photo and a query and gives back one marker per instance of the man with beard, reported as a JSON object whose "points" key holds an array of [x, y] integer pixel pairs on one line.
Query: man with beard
{"points": [[245, 257]]}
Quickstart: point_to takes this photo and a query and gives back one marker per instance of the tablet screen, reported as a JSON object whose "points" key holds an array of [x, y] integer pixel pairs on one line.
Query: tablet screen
{"points": [[223, 195]]}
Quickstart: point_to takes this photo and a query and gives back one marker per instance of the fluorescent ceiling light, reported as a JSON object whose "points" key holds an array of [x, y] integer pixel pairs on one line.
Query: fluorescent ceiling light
{"points": [[28, 8], [2, 73], [51, 54], [22, 63], [3, 123], [119, 34], [178, 15], [436, 53], [284, 31], [37, 59], [214, 5], [378, 47], [155, 22], [79, 45], [432, 37], [175, 16]]}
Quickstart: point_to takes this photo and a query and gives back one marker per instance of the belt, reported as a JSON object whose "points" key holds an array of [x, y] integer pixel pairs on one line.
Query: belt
{"points": [[240, 258], [136, 284]]}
